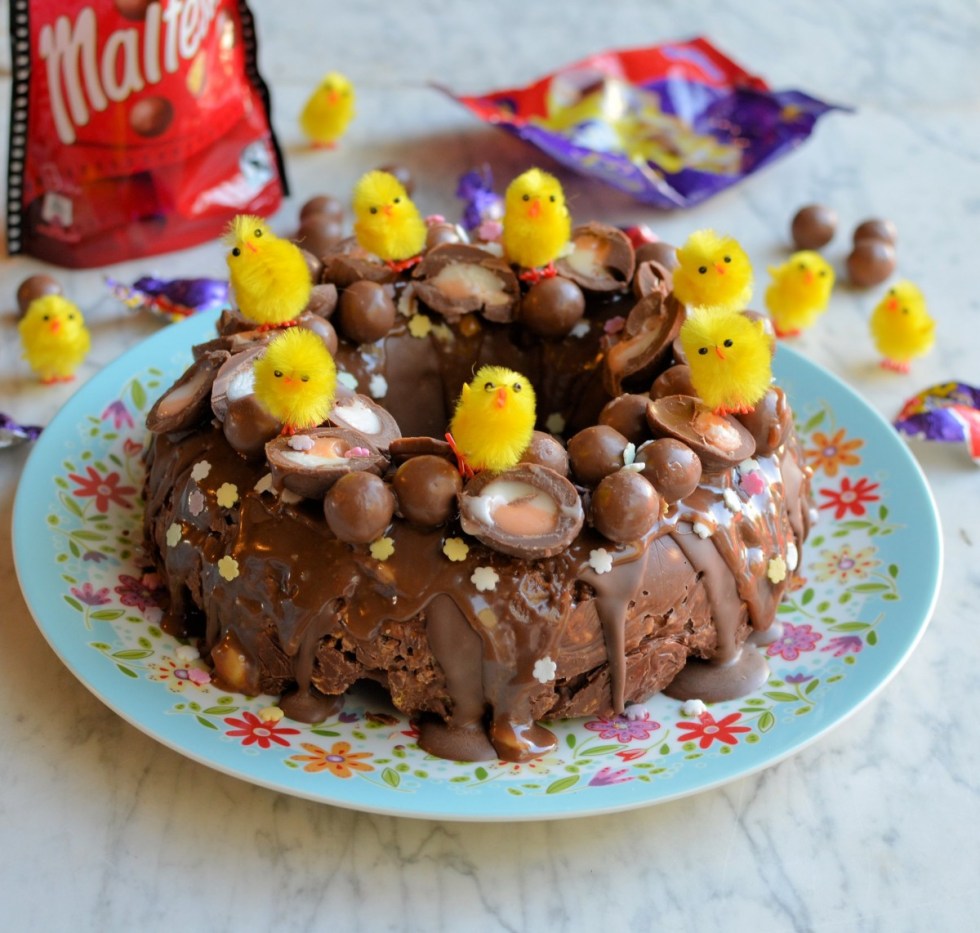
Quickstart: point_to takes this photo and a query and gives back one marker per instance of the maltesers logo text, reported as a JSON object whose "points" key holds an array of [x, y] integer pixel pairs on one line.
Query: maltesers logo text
{"points": [[82, 77]]}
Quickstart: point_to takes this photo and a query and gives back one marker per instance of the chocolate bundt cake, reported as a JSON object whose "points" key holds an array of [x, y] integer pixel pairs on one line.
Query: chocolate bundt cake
{"points": [[638, 556]]}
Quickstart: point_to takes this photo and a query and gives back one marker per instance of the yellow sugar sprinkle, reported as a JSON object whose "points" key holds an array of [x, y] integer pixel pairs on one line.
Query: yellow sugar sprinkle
{"points": [[419, 325], [382, 549], [174, 535], [777, 569], [228, 568], [455, 549], [227, 495], [271, 714]]}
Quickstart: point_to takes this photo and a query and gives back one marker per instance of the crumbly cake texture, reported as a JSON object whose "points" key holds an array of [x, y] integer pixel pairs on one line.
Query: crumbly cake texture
{"points": [[356, 552]]}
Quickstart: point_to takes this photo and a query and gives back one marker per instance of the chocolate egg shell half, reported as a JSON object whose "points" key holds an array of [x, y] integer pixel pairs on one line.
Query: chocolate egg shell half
{"points": [[404, 448], [234, 380], [601, 259], [769, 422], [719, 440], [248, 426], [456, 279], [346, 262], [650, 329], [628, 415], [426, 488], [552, 307], [660, 252], [672, 467], [187, 402], [527, 511], [596, 452], [653, 278], [310, 463], [358, 508], [624, 507], [365, 416], [36, 286], [546, 450]]}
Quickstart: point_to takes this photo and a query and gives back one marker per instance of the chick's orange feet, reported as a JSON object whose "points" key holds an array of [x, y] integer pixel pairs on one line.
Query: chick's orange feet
{"points": [[54, 380], [533, 276], [265, 328], [896, 366], [465, 470], [403, 265]]}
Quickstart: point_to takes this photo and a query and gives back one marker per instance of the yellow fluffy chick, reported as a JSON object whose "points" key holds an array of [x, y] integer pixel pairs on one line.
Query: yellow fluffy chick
{"points": [[799, 292], [901, 326], [386, 221], [54, 337], [730, 356], [296, 379], [269, 276], [494, 420], [328, 111], [536, 223], [713, 272]]}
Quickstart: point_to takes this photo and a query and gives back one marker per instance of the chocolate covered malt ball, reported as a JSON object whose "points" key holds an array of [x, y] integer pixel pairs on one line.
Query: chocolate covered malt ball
{"points": [[36, 286], [627, 413], [813, 226], [876, 229], [658, 251], [870, 262], [596, 452], [426, 488], [671, 466], [358, 508], [151, 116], [552, 307], [625, 507], [322, 205], [366, 312], [546, 450]]}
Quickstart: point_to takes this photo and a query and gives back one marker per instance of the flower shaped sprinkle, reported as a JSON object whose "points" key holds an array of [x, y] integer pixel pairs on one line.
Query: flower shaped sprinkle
{"points": [[419, 325], [200, 470], [382, 549], [544, 670], [378, 386], [555, 423], [186, 653], [228, 568], [347, 379], [580, 330], [777, 569], [702, 530], [195, 502], [732, 501], [485, 579], [174, 534], [227, 495], [753, 483], [600, 560], [301, 442], [693, 708], [455, 549], [271, 714]]}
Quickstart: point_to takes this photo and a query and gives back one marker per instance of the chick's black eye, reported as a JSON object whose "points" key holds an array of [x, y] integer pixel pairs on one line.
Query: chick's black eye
{"points": [[702, 269], [258, 233], [728, 259], [905, 310], [47, 317], [304, 378], [374, 210], [822, 273], [236, 252], [552, 198], [516, 387], [702, 350], [802, 267], [277, 373], [71, 317], [728, 343], [398, 200], [488, 386], [525, 197]]}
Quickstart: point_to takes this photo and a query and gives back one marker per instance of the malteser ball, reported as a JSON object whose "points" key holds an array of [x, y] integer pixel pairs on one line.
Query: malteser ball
{"points": [[403, 174], [134, 10], [546, 451], [627, 413], [248, 426], [440, 233], [673, 381], [323, 205], [870, 262], [358, 508], [552, 307], [876, 229], [658, 251], [672, 467], [36, 286], [320, 326], [769, 421], [151, 116], [813, 226], [426, 488], [366, 312], [595, 452], [625, 507]]}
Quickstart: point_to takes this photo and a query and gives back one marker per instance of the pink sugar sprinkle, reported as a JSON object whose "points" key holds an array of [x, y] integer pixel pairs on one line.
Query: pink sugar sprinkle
{"points": [[358, 452]]}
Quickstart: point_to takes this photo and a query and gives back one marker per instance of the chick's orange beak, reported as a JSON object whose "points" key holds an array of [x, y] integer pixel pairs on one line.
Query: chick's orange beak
{"points": [[534, 209], [720, 268], [249, 245], [892, 304], [808, 276], [501, 400], [721, 355], [333, 96], [386, 210]]}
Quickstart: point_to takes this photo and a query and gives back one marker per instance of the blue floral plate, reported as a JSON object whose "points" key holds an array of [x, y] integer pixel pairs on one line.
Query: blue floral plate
{"points": [[871, 569]]}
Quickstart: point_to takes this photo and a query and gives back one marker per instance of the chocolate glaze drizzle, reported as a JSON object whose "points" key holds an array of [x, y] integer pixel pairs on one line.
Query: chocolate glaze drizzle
{"points": [[306, 615]]}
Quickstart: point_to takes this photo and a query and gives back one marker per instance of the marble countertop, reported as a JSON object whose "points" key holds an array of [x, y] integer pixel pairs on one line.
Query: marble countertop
{"points": [[873, 827]]}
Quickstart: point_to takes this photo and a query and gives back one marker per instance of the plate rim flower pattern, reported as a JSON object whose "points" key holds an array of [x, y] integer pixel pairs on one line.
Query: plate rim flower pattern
{"points": [[865, 600]]}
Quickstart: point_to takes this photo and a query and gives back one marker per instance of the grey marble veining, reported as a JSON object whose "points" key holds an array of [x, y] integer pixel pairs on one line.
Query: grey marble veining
{"points": [[873, 827]]}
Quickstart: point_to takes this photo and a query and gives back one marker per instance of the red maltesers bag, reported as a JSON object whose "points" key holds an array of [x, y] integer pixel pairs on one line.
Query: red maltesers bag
{"points": [[137, 127]]}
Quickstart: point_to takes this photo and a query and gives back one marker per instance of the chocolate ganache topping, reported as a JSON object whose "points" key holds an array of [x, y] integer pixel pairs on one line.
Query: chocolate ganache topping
{"points": [[629, 552]]}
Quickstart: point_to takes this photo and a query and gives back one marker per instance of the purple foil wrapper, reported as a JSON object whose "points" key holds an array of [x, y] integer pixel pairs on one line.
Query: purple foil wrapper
{"points": [[174, 298], [671, 124], [12, 433], [948, 413]]}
